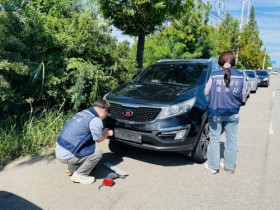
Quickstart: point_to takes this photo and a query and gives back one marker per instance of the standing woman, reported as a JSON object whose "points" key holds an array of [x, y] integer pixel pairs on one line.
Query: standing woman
{"points": [[225, 88]]}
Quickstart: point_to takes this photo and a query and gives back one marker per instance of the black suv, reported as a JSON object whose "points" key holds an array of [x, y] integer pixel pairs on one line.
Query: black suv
{"points": [[164, 108], [263, 77]]}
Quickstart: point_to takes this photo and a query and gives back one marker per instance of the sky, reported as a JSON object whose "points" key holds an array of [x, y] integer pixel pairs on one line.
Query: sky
{"points": [[267, 13]]}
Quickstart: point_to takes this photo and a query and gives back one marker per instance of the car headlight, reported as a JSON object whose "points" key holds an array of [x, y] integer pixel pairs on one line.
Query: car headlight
{"points": [[177, 109], [265, 79]]}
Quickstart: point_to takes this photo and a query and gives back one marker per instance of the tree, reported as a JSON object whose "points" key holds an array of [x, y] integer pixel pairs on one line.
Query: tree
{"points": [[55, 51], [188, 36], [139, 18], [250, 53], [227, 35]]}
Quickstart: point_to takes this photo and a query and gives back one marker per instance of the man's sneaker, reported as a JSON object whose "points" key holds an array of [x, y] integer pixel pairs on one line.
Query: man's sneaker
{"points": [[71, 169], [211, 171], [230, 171], [77, 178]]}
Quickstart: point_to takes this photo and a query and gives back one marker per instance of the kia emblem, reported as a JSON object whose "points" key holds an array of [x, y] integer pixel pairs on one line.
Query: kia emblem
{"points": [[128, 113]]}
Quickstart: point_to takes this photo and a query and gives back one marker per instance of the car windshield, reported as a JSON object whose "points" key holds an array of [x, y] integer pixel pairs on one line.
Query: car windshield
{"points": [[262, 73], [250, 74], [175, 73]]}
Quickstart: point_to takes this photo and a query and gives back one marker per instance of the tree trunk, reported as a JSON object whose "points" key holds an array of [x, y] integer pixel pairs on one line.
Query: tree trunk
{"points": [[140, 50]]}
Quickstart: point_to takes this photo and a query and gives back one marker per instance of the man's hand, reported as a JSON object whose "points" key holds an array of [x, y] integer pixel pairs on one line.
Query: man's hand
{"points": [[107, 132]]}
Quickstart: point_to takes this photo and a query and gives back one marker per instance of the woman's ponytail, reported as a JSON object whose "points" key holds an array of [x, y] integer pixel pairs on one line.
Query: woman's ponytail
{"points": [[226, 61], [227, 73]]}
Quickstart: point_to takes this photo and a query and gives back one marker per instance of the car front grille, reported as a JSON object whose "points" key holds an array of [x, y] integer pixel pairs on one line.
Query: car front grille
{"points": [[136, 114]]}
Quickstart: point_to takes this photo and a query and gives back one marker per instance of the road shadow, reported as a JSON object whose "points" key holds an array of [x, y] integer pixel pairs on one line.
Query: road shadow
{"points": [[34, 159], [11, 201], [118, 151], [31, 160]]}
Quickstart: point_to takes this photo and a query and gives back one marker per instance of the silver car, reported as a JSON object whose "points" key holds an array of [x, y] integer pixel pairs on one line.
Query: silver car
{"points": [[253, 78], [248, 87]]}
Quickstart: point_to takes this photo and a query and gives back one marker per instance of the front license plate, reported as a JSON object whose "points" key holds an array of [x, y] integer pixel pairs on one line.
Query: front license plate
{"points": [[128, 135]]}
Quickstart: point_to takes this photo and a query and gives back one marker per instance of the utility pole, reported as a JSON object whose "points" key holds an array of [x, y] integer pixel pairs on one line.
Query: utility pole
{"points": [[242, 14], [264, 58], [221, 8], [249, 10], [240, 28], [265, 53]]}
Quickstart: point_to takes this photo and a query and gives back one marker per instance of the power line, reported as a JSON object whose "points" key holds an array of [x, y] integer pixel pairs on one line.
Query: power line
{"points": [[212, 13]]}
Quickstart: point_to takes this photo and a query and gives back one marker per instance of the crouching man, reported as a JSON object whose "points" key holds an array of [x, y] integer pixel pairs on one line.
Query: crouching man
{"points": [[76, 144]]}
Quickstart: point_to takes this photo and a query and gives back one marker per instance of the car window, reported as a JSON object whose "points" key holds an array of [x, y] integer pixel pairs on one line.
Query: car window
{"points": [[262, 73], [185, 74], [250, 74]]}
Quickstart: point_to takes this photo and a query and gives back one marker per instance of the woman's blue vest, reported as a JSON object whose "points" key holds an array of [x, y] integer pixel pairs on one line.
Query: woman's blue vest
{"points": [[225, 101], [76, 136]]}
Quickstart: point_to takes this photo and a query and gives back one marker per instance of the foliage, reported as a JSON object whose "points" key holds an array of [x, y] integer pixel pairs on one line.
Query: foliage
{"points": [[250, 53], [8, 144], [47, 46], [227, 35], [139, 17], [133, 16], [188, 36], [30, 134]]}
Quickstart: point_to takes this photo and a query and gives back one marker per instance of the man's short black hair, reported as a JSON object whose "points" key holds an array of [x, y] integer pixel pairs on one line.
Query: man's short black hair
{"points": [[102, 103]]}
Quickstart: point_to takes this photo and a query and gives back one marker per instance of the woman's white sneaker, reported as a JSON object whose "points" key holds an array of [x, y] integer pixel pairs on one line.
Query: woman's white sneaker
{"points": [[77, 178], [230, 171], [211, 171]]}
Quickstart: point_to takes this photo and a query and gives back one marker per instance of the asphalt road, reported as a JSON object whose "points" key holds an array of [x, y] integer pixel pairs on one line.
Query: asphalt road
{"points": [[162, 180]]}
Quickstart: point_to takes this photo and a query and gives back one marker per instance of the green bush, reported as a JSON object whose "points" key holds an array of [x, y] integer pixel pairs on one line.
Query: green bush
{"points": [[9, 147], [35, 131]]}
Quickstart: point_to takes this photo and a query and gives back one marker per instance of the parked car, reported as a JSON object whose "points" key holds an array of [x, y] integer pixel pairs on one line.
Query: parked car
{"points": [[164, 108], [253, 78], [264, 78], [274, 72], [269, 71], [248, 87]]}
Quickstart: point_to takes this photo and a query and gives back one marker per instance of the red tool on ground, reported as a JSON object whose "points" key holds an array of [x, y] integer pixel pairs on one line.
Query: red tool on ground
{"points": [[109, 180]]}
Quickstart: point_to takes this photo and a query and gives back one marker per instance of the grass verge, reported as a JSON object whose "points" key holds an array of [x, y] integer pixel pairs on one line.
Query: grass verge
{"points": [[30, 134]]}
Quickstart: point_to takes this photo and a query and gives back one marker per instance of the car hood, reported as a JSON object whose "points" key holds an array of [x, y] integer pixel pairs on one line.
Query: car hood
{"points": [[262, 77], [157, 93]]}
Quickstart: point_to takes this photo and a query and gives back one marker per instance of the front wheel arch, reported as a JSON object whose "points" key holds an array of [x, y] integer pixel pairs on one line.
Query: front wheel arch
{"points": [[199, 154]]}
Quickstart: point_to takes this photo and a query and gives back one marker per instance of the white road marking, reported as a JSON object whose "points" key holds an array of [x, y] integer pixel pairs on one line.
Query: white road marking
{"points": [[270, 129]]}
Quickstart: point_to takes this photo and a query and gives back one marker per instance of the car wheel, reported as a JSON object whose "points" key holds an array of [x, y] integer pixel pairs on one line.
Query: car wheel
{"points": [[199, 154]]}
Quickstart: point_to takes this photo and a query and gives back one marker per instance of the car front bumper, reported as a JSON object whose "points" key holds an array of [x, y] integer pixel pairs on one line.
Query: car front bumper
{"points": [[175, 134], [263, 83]]}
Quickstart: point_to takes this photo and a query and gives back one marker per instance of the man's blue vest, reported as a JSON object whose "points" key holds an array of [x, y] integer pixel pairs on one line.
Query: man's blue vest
{"points": [[76, 136], [225, 101]]}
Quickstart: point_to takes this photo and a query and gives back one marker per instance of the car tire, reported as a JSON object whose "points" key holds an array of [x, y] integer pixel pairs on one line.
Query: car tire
{"points": [[199, 154]]}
